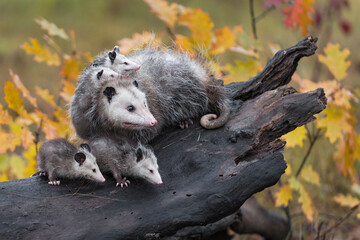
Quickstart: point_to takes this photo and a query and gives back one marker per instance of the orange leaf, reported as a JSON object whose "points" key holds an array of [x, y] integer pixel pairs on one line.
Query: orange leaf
{"points": [[45, 95], [27, 138], [225, 39], [200, 25], [12, 97], [184, 43], [51, 28], [335, 60], [41, 54], [138, 41], [346, 201], [71, 68], [5, 118], [67, 91], [298, 15], [283, 196], [296, 137], [9, 141], [22, 88], [165, 12]]}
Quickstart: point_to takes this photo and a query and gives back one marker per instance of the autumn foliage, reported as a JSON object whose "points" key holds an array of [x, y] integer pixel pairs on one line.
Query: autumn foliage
{"points": [[24, 125]]}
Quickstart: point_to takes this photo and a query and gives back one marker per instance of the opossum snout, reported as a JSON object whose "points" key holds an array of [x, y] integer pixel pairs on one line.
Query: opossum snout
{"points": [[153, 122], [138, 67], [158, 183]]}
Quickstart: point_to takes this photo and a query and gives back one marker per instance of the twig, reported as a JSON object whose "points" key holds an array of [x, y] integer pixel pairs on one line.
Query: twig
{"points": [[253, 20], [264, 13], [312, 140], [37, 136], [338, 222], [171, 32]]}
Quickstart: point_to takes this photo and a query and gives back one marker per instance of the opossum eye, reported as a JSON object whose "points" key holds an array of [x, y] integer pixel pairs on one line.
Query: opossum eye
{"points": [[131, 108], [94, 170], [136, 83], [126, 63], [151, 170], [99, 74]]}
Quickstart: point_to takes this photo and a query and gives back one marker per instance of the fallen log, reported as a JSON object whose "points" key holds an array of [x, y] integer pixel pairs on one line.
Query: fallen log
{"points": [[207, 174]]}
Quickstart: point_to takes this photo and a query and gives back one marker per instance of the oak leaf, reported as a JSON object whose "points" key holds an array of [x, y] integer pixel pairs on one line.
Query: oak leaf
{"points": [[346, 201], [51, 28], [242, 71], [298, 15], [165, 12], [335, 60], [68, 90], [138, 41], [12, 97], [283, 196], [310, 176], [5, 118], [296, 137], [25, 92], [41, 54], [224, 39], [71, 68]]}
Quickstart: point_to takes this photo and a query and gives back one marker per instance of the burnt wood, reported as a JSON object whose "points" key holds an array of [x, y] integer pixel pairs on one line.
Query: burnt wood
{"points": [[207, 174]]}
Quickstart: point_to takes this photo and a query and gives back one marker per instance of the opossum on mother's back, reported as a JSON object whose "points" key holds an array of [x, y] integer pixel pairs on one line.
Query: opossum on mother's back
{"points": [[173, 86]]}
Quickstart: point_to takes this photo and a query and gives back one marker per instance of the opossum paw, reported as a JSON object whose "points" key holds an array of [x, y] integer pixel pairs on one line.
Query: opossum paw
{"points": [[123, 183], [54, 183], [42, 174], [186, 124]]}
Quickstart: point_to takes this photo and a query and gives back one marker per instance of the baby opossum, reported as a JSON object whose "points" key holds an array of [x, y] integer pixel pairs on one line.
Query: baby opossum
{"points": [[123, 157], [59, 158], [176, 89], [115, 61]]}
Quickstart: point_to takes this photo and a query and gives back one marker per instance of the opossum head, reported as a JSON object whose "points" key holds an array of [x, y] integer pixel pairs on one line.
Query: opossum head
{"points": [[120, 63], [105, 74], [145, 165], [125, 105], [86, 165]]}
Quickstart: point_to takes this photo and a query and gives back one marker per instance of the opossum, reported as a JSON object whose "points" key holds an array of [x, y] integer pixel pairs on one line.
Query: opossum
{"points": [[123, 157], [170, 88], [59, 158], [115, 61]]}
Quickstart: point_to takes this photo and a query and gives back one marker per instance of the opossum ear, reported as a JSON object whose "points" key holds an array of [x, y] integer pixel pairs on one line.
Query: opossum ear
{"points": [[80, 158], [85, 146], [139, 154], [99, 74], [136, 83], [117, 49], [109, 92], [112, 56]]}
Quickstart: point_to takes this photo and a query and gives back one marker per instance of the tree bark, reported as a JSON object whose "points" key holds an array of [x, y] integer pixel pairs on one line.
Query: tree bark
{"points": [[207, 174]]}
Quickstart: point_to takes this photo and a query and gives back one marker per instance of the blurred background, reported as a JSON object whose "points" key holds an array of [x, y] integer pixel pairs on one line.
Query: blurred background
{"points": [[94, 26]]}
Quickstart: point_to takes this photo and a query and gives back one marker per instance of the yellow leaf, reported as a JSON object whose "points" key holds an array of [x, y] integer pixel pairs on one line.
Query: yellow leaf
{"points": [[30, 156], [184, 44], [27, 138], [296, 137], [45, 95], [346, 201], [71, 68], [309, 175], [12, 97], [165, 12], [5, 118], [288, 170], [335, 60], [67, 91], [138, 41], [306, 204], [336, 123], [347, 151], [224, 39], [283, 196], [51, 28], [4, 167], [41, 54], [294, 183], [242, 71], [199, 24], [17, 166], [19, 85]]}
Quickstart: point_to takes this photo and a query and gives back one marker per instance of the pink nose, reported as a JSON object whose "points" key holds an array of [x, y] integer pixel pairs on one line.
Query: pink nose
{"points": [[153, 122], [138, 67], [160, 183]]}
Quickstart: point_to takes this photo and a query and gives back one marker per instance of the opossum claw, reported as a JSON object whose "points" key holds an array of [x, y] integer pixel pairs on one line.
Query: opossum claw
{"points": [[123, 183], [186, 124]]}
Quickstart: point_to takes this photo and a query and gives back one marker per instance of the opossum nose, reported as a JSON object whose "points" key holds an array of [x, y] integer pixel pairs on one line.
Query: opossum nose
{"points": [[138, 67], [160, 183], [153, 122]]}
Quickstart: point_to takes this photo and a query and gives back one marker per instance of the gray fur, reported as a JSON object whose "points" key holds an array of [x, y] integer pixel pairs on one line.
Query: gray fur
{"points": [[123, 157], [56, 158], [177, 89]]}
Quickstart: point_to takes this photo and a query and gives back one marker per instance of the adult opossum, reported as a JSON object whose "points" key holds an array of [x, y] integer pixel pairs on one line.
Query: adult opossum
{"points": [[59, 158], [173, 86], [123, 157]]}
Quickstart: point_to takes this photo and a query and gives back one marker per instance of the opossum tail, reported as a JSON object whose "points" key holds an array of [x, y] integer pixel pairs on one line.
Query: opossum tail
{"points": [[211, 121], [218, 102]]}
